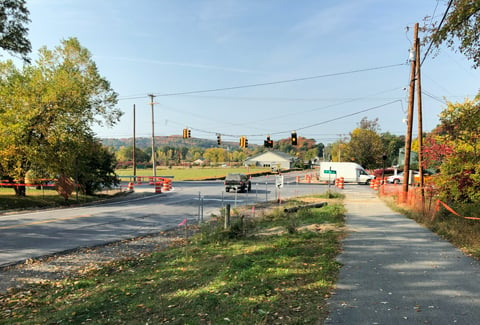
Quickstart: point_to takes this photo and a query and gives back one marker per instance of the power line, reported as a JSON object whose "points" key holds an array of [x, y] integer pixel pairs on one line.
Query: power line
{"points": [[269, 83], [348, 115], [439, 26], [301, 128]]}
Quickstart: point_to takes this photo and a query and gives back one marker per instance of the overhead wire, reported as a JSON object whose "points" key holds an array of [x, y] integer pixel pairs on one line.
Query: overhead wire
{"points": [[439, 26], [298, 129], [266, 83]]}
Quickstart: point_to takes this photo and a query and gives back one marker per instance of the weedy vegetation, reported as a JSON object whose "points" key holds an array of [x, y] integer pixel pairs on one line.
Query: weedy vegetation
{"points": [[276, 268]]}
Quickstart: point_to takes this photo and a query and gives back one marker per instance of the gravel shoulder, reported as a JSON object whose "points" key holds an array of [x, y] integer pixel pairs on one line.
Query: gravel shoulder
{"points": [[79, 261]]}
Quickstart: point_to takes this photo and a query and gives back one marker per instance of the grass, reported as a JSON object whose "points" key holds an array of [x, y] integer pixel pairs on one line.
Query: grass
{"points": [[194, 173], [37, 198], [261, 277]]}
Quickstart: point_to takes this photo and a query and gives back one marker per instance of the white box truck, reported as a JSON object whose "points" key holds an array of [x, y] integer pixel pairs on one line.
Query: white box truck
{"points": [[351, 172]]}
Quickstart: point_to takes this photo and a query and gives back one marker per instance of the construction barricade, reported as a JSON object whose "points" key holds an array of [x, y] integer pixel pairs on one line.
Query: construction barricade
{"points": [[376, 184], [158, 187], [130, 187], [341, 183], [166, 185]]}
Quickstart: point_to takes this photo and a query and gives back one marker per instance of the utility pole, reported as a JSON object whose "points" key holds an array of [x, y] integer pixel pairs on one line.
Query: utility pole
{"points": [[411, 95], [420, 124], [152, 104], [134, 156]]}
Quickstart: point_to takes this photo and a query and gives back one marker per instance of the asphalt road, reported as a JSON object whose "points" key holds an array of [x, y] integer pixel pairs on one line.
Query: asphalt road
{"points": [[397, 272], [44, 232]]}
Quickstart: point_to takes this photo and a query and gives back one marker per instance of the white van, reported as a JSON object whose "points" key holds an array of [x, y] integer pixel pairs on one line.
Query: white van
{"points": [[351, 172]]}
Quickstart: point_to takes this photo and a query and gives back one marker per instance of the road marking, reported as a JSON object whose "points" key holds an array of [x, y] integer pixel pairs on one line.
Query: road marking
{"points": [[44, 221]]}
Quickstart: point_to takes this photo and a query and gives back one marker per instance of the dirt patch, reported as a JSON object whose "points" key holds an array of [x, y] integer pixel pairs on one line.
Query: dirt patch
{"points": [[83, 260], [316, 227]]}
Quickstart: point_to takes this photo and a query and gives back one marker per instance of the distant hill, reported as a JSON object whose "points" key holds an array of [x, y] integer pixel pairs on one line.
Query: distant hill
{"points": [[162, 141]]}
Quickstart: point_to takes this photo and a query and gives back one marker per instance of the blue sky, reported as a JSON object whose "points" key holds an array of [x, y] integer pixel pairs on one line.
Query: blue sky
{"points": [[177, 46]]}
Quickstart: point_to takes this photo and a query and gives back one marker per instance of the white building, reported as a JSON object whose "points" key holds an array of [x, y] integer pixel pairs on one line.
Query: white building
{"points": [[271, 159]]}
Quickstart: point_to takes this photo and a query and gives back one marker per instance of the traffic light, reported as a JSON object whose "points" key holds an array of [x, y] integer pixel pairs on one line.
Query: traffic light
{"points": [[189, 133], [219, 139], [185, 133], [268, 143], [294, 138], [243, 142]]}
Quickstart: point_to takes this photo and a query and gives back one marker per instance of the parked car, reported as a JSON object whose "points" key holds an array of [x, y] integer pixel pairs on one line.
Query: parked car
{"points": [[398, 179], [395, 179]]}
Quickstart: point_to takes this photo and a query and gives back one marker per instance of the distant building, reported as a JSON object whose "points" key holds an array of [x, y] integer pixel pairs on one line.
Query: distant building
{"points": [[200, 162], [271, 159]]}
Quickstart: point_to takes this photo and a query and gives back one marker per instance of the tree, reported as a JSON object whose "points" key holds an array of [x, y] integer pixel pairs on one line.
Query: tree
{"points": [[47, 110], [215, 155], [95, 168], [391, 144], [13, 30], [365, 147], [366, 124], [126, 154], [459, 178], [460, 28]]}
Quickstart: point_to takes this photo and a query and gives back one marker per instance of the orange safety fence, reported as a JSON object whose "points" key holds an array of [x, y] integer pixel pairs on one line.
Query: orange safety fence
{"points": [[426, 202], [437, 207]]}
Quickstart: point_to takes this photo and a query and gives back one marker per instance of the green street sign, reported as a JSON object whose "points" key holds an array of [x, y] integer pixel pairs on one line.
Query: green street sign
{"points": [[326, 171]]}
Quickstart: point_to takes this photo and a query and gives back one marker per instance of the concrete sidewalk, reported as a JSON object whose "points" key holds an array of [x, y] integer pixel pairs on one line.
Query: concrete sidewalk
{"points": [[397, 272]]}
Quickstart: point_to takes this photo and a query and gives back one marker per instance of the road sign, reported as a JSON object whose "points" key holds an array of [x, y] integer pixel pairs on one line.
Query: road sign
{"points": [[327, 171], [279, 181]]}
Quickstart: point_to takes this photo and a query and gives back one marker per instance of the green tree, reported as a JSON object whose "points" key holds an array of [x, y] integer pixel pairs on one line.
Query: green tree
{"points": [[48, 109], [14, 17], [215, 155], [461, 28], [365, 146], [391, 145], [95, 167], [459, 178], [126, 154]]}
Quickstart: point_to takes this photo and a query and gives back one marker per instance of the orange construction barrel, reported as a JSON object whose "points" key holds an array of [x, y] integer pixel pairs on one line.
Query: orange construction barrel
{"points": [[158, 187]]}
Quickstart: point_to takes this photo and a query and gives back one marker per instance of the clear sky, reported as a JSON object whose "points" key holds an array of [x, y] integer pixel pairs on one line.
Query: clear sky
{"points": [[357, 50]]}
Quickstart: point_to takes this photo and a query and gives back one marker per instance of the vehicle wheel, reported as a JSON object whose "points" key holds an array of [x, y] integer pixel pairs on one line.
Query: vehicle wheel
{"points": [[367, 182], [249, 187], [396, 181], [227, 189]]}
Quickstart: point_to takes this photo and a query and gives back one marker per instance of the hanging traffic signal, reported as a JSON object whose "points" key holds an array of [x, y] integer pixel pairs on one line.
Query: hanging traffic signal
{"points": [[268, 143], [185, 133], [243, 142], [219, 139], [294, 138], [189, 133]]}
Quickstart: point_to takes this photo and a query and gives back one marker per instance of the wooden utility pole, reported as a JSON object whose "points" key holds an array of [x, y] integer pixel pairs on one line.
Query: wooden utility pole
{"points": [[134, 156], [420, 124], [411, 95], [152, 104]]}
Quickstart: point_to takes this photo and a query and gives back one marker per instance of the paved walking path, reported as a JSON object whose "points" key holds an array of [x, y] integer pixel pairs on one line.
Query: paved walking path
{"points": [[397, 272]]}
